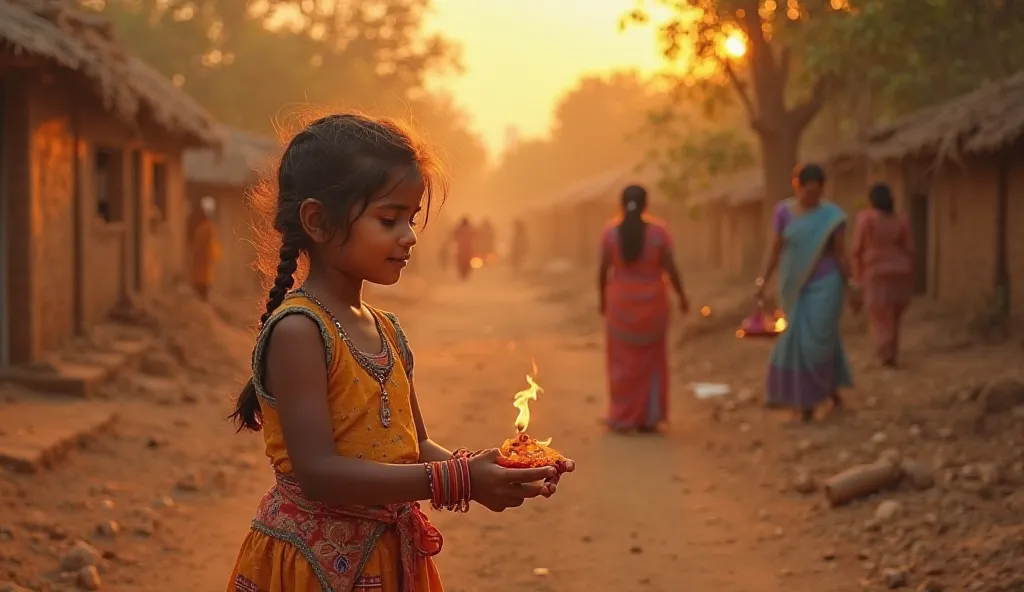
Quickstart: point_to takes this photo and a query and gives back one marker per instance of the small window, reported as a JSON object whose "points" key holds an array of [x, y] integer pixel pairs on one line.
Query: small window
{"points": [[107, 186], [159, 190]]}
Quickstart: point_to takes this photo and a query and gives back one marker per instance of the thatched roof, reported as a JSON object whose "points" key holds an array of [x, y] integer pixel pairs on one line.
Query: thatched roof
{"points": [[238, 162], [72, 38], [982, 121], [734, 190]]}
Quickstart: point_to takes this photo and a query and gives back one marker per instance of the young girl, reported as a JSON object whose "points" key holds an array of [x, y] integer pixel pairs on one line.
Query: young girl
{"points": [[332, 386]]}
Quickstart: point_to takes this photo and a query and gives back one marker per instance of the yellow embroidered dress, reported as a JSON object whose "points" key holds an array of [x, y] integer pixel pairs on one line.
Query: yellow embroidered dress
{"points": [[297, 545]]}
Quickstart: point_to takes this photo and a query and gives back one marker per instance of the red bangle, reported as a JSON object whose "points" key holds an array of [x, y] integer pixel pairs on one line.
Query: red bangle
{"points": [[455, 484], [466, 493]]}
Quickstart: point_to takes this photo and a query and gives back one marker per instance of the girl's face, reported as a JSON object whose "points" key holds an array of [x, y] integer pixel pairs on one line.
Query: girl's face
{"points": [[380, 241]]}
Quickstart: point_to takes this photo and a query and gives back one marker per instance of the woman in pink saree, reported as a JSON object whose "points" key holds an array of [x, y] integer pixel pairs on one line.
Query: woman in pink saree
{"points": [[636, 260], [883, 263]]}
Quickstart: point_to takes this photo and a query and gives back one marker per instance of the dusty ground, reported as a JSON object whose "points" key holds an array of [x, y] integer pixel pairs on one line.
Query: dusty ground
{"points": [[707, 507]]}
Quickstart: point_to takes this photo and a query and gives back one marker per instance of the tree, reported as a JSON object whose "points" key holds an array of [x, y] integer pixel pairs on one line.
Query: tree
{"points": [[748, 44], [367, 54]]}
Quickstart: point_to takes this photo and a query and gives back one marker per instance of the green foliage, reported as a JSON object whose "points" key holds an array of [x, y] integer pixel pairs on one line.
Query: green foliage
{"points": [[907, 54], [256, 64]]}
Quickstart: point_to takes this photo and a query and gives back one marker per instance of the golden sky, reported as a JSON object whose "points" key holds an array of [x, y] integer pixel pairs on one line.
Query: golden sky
{"points": [[521, 55]]}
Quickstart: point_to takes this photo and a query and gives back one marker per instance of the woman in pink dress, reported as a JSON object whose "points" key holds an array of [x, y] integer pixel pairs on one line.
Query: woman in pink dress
{"points": [[636, 259], [883, 263]]}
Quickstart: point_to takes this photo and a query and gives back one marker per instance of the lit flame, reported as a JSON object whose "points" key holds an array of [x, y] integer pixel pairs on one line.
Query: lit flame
{"points": [[740, 333], [476, 262], [780, 321], [705, 311], [521, 401]]}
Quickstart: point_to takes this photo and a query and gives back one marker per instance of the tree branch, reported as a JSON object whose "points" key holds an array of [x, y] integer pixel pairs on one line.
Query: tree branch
{"points": [[802, 114], [741, 90]]}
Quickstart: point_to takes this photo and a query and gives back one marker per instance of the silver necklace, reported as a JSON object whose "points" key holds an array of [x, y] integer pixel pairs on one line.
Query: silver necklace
{"points": [[378, 373]]}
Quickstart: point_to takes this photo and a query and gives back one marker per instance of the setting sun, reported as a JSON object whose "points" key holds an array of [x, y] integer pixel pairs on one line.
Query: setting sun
{"points": [[735, 45]]}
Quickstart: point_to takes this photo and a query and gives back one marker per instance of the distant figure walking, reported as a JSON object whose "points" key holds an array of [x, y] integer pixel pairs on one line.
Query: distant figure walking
{"points": [[518, 248], [204, 247], [636, 258], [487, 241], [883, 263], [808, 363], [464, 238]]}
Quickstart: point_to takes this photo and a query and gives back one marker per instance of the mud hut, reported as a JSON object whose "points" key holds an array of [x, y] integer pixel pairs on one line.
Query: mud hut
{"points": [[92, 191], [958, 169]]}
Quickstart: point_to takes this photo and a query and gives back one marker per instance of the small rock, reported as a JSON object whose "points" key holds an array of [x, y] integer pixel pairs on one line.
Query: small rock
{"points": [[636, 549], [879, 438], [1002, 395], [541, 571], [989, 474], [931, 586], [804, 483], [165, 502], [891, 456], [108, 528], [89, 578], [81, 554], [784, 572], [969, 472], [805, 445], [888, 510], [829, 555], [189, 482], [894, 577], [914, 431], [745, 427], [919, 475], [945, 434]]}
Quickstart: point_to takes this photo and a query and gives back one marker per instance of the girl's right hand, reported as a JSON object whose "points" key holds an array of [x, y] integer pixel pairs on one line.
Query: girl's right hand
{"points": [[497, 488]]}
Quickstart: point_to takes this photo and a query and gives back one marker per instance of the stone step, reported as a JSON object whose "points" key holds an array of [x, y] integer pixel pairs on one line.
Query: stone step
{"points": [[83, 373], [37, 432]]}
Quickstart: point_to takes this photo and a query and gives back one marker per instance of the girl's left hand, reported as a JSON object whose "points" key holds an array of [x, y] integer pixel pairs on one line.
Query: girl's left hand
{"points": [[566, 466]]}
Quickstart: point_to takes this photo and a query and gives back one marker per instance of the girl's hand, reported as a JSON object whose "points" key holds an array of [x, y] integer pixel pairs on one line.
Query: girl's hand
{"points": [[497, 488], [566, 466]]}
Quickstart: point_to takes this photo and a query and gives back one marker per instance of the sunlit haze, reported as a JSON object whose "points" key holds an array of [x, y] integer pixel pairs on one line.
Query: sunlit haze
{"points": [[521, 55]]}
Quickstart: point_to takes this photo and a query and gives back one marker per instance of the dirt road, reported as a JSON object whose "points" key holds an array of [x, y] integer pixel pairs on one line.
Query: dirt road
{"points": [[657, 513]]}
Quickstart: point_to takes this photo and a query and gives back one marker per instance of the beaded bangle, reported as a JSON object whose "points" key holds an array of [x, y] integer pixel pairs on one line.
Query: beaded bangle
{"points": [[449, 484]]}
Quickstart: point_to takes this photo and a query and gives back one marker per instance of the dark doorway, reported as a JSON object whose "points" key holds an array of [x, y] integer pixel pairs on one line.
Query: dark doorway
{"points": [[5, 335], [137, 225], [918, 216]]}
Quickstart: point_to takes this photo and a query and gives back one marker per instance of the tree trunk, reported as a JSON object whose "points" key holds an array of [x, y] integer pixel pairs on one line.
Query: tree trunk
{"points": [[779, 157]]}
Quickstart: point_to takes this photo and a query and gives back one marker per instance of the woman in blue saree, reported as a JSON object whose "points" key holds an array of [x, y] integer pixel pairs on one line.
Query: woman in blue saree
{"points": [[808, 364]]}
